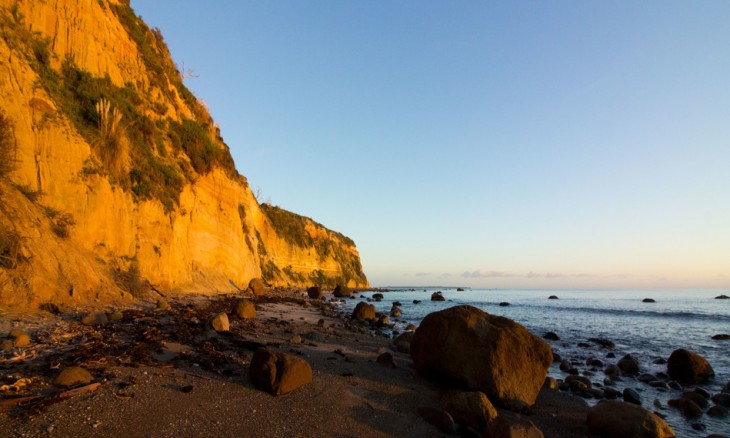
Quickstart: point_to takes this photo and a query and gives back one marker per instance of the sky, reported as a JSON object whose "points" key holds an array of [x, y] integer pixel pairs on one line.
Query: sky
{"points": [[520, 144]]}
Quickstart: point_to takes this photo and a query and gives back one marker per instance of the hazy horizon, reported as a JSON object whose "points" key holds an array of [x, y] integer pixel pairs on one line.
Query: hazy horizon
{"points": [[523, 144]]}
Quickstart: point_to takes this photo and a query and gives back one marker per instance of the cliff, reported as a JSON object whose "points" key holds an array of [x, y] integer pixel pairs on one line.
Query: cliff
{"points": [[120, 179]]}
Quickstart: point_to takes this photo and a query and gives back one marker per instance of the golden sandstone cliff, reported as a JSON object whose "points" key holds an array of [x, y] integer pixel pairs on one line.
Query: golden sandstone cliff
{"points": [[120, 178]]}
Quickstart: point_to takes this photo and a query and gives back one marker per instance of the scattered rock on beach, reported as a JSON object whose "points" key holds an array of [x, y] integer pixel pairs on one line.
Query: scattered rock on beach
{"points": [[342, 291], [403, 342], [220, 322], [257, 286], [688, 367], [439, 418], [616, 419], [484, 352], [245, 309], [510, 425], [364, 312], [278, 373], [718, 411], [19, 338], [687, 407], [73, 376], [437, 296], [722, 399], [386, 359], [631, 396], [315, 292], [471, 409], [94, 318]]}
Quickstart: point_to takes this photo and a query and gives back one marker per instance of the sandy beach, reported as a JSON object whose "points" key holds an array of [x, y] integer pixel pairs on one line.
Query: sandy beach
{"points": [[163, 373]]}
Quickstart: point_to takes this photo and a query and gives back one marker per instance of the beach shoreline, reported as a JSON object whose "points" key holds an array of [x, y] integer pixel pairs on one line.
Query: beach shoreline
{"points": [[167, 393]]}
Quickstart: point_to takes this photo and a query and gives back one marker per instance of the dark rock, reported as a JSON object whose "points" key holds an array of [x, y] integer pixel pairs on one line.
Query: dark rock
{"points": [[698, 426], [95, 318], [382, 321], [395, 312], [721, 297], [718, 411], [675, 385], [584, 345], [162, 304], [648, 300], [659, 384], [550, 383], [416, 301], [484, 352], [378, 296], [403, 342], [689, 367], [612, 371], [697, 398], [437, 296], [703, 392], [616, 419], [610, 393], [342, 291], [610, 355], [595, 362], [629, 365], [257, 286], [50, 308], [646, 378], [631, 396], [278, 373], [659, 361], [551, 336], [315, 293], [565, 365], [556, 357], [439, 418], [364, 312], [397, 303], [386, 359], [553, 297], [687, 407], [19, 338], [602, 342], [510, 425], [471, 409], [721, 337], [722, 399], [584, 380], [503, 304]]}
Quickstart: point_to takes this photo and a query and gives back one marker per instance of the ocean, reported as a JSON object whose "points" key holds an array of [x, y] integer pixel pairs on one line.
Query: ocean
{"points": [[649, 331]]}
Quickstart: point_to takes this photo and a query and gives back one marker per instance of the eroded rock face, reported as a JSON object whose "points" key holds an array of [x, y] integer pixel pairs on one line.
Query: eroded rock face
{"points": [[464, 346], [616, 419], [278, 373], [688, 367]]}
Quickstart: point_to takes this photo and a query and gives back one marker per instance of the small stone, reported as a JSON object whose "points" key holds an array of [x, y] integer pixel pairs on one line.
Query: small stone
{"points": [[220, 322], [295, 340], [722, 399], [116, 316], [718, 411], [648, 300], [382, 321], [72, 376], [551, 336], [395, 312], [20, 338], [503, 304], [437, 296]]}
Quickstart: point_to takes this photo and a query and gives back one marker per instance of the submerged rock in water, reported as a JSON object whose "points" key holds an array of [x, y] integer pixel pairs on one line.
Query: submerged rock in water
{"points": [[278, 373], [482, 352], [688, 367], [629, 365], [616, 419], [551, 336]]}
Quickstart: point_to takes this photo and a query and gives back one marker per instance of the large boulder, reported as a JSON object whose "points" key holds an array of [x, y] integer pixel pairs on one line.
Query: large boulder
{"points": [[342, 291], [468, 347], [616, 419], [688, 367], [315, 292], [364, 312], [278, 373], [257, 286]]}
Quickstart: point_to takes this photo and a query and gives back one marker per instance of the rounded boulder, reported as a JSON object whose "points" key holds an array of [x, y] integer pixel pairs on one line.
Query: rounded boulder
{"points": [[364, 312], [342, 291], [616, 419], [257, 286], [278, 373], [688, 367], [315, 292], [469, 347], [245, 309]]}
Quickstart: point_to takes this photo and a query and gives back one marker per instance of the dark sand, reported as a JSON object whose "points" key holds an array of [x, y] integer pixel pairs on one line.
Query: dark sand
{"points": [[207, 391]]}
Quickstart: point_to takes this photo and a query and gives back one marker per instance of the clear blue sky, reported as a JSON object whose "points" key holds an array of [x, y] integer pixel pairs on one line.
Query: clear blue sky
{"points": [[496, 144]]}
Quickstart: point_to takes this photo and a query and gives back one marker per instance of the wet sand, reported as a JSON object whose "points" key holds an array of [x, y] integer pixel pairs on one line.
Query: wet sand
{"points": [[162, 373]]}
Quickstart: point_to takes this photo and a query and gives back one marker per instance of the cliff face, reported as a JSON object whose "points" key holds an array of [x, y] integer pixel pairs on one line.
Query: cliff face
{"points": [[121, 175]]}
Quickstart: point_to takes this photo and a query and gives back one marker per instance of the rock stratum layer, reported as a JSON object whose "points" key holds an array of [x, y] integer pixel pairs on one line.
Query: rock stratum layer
{"points": [[121, 180]]}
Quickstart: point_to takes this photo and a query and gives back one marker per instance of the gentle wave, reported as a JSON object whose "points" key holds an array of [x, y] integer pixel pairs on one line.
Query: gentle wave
{"points": [[618, 312]]}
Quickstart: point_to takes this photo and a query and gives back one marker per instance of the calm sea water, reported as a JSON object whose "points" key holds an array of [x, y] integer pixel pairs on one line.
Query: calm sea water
{"points": [[678, 319]]}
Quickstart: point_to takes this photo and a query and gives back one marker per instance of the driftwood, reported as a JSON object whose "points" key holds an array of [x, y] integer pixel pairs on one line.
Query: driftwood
{"points": [[6, 405]]}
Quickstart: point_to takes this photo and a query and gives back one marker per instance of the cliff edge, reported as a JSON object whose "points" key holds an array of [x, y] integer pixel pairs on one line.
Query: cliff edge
{"points": [[116, 178]]}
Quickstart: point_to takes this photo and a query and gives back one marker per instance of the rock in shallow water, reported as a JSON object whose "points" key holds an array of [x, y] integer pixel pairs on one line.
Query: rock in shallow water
{"points": [[688, 367], [495, 355]]}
